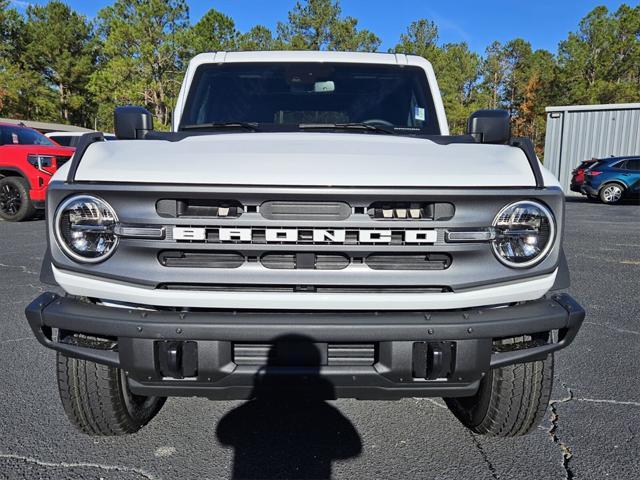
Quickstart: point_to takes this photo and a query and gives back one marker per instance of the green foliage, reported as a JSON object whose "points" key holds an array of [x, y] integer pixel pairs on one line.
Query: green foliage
{"points": [[600, 62], [456, 67], [257, 39], [421, 38], [215, 31], [143, 56], [458, 71], [60, 47], [56, 65], [317, 25]]}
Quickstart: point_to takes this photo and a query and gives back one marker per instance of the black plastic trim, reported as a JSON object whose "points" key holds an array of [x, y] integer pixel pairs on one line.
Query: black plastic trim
{"points": [[526, 145], [51, 310], [563, 277], [19, 172], [46, 271], [85, 141]]}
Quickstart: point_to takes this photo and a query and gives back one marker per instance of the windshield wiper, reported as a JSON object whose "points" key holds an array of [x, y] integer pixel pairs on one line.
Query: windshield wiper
{"points": [[222, 125], [347, 126]]}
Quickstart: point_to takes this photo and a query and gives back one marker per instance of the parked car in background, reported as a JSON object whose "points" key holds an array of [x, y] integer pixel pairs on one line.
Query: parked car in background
{"points": [[28, 159], [71, 139], [613, 179], [577, 175]]}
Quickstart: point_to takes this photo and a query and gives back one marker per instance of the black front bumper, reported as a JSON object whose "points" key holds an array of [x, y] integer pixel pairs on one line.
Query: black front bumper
{"points": [[143, 343]]}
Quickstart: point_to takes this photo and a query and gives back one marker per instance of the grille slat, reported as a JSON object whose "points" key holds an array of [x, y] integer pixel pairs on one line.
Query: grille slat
{"points": [[292, 261], [337, 354], [201, 259], [360, 354], [434, 261], [207, 287]]}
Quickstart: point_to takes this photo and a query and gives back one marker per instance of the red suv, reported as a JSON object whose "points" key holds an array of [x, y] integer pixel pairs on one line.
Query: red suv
{"points": [[28, 159]]}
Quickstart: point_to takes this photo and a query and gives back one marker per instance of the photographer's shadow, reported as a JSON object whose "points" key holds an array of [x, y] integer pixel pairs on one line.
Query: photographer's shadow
{"points": [[288, 433]]}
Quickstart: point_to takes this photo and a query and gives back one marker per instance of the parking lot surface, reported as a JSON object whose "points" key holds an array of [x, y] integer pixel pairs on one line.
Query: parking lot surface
{"points": [[592, 430]]}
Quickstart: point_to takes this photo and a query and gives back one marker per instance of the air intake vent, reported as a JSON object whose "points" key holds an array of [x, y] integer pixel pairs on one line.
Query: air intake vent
{"points": [[201, 259], [282, 210], [411, 211], [199, 208], [362, 354], [304, 354], [304, 261], [431, 261]]}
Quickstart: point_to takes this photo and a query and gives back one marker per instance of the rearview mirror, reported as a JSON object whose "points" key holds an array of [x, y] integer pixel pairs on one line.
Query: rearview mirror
{"points": [[490, 126], [131, 122]]}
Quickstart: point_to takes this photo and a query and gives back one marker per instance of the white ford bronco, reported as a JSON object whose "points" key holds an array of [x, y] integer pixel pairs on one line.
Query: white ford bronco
{"points": [[308, 222]]}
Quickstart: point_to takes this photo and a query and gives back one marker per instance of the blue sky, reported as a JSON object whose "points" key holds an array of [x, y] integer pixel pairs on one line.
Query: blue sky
{"points": [[543, 22]]}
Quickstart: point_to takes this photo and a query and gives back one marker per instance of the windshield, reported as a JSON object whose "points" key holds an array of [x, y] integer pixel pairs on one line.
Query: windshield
{"points": [[288, 94], [22, 136]]}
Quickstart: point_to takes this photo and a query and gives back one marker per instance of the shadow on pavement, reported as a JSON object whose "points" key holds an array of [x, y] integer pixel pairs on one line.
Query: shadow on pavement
{"points": [[292, 433]]}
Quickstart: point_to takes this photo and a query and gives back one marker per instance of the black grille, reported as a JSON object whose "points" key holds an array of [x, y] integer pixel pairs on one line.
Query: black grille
{"points": [[199, 208], [351, 354], [411, 211], [201, 259], [207, 287], [400, 261], [308, 261], [304, 354]]}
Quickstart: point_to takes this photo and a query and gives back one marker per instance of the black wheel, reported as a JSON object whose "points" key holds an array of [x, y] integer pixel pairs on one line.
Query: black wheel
{"points": [[611, 193], [97, 399], [15, 204], [511, 401]]}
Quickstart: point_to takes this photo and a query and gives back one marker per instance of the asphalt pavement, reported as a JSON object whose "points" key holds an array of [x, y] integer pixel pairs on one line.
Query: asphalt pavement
{"points": [[592, 429]]}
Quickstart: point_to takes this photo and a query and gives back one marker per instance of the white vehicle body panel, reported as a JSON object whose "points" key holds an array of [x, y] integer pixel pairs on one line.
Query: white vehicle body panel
{"points": [[306, 159], [83, 285]]}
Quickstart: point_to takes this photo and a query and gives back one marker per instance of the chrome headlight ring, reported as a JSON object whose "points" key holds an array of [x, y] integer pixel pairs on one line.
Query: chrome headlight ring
{"points": [[84, 227], [525, 232]]}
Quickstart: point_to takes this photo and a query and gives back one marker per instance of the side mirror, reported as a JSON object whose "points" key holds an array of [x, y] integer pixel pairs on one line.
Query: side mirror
{"points": [[131, 122], [490, 126]]}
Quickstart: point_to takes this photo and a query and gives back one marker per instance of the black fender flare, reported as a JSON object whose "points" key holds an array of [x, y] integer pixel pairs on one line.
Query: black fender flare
{"points": [[19, 172]]}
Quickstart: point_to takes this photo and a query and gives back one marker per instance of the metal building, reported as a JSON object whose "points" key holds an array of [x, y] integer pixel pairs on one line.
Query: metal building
{"points": [[581, 132]]}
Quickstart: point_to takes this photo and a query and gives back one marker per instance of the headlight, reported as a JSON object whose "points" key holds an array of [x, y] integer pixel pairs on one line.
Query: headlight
{"points": [[524, 234], [84, 228]]}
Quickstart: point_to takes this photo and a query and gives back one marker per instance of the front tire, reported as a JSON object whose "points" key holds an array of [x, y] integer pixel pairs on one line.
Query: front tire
{"points": [[511, 400], [15, 204], [97, 399], [611, 193]]}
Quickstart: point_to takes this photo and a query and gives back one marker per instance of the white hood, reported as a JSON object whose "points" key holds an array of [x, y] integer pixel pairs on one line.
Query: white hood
{"points": [[306, 159]]}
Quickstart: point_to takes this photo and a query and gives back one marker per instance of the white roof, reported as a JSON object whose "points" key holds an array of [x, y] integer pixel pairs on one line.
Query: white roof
{"points": [[608, 106], [302, 56]]}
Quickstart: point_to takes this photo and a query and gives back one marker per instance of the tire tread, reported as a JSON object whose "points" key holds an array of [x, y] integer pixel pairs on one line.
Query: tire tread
{"points": [[92, 396], [516, 398]]}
